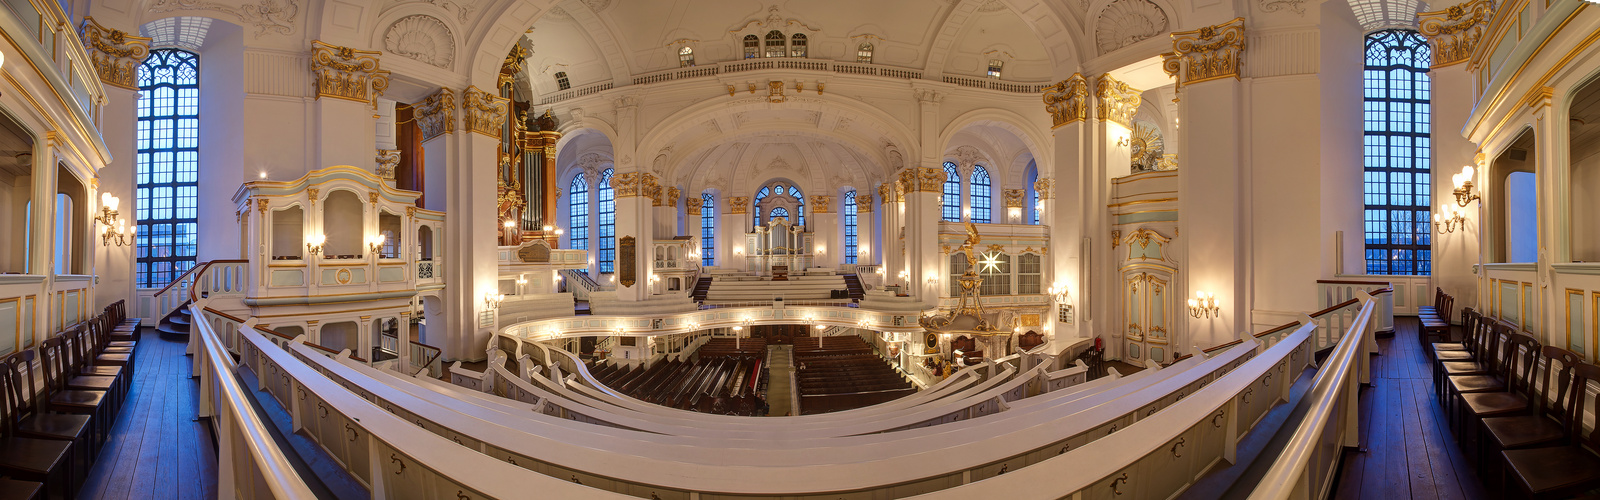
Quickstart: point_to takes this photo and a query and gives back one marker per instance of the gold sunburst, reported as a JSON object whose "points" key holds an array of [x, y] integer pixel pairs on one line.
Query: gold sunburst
{"points": [[990, 263]]}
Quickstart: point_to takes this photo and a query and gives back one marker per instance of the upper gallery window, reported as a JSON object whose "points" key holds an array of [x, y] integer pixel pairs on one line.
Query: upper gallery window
{"points": [[797, 45], [994, 67], [685, 57], [167, 163], [708, 230], [775, 44], [1397, 147], [850, 247], [752, 47], [864, 53], [578, 213], [608, 223], [951, 210], [561, 80], [981, 191]]}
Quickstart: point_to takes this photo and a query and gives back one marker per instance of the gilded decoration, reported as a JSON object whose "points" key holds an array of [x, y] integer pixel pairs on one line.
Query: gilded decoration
{"points": [[693, 206], [908, 179], [932, 179], [436, 114], [651, 189], [672, 196], [738, 204], [884, 193], [483, 112], [626, 184], [1116, 237], [967, 316], [864, 203], [346, 73], [1115, 101], [775, 92], [1208, 53], [115, 54], [822, 204], [1068, 100], [1014, 197], [625, 261], [1454, 32], [385, 162], [1042, 186]]}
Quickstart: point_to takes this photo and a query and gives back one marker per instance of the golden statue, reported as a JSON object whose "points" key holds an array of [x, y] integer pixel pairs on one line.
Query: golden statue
{"points": [[968, 246]]}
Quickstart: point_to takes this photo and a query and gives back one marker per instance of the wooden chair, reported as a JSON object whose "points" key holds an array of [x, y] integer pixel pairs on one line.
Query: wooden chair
{"points": [[1469, 320], [1438, 324], [1542, 426], [58, 397], [1438, 295], [76, 380], [1499, 362], [1521, 360], [1485, 339], [11, 489], [1561, 471], [24, 416], [116, 339], [100, 356], [83, 363], [38, 460], [123, 327]]}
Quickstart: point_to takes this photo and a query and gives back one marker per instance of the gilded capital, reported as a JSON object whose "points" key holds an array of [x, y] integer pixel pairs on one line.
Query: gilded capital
{"points": [[932, 179], [1453, 33], [739, 204], [672, 196], [821, 204], [1014, 197], [1208, 53], [346, 73], [1068, 100], [625, 184], [1115, 101], [115, 54], [693, 206], [885, 192], [482, 112], [385, 161], [648, 188], [864, 202], [436, 114], [1043, 186]]}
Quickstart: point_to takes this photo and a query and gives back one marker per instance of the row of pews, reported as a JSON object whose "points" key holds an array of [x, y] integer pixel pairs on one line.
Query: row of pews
{"points": [[842, 373], [723, 380]]}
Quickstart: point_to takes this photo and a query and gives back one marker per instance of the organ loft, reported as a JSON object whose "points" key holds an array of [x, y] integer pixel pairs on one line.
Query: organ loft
{"points": [[607, 249]]}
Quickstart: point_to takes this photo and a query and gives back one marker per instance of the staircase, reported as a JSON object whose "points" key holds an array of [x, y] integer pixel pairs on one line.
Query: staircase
{"points": [[176, 323], [853, 283], [700, 289]]}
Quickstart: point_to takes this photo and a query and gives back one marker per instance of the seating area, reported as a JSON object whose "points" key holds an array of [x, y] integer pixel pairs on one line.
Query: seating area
{"points": [[842, 373], [52, 430], [723, 380], [1518, 408], [797, 287]]}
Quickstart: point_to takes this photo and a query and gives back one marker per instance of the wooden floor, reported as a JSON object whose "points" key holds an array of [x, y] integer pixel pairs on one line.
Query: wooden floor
{"points": [[157, 449], [1410, 452]]}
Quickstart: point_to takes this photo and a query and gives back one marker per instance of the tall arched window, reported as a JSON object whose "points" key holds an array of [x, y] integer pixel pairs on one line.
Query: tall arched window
{"points": [[864, 53], [1398, 145], [850, 227], [752, 47], [759, 196], [774, 44], [980, 195], [685, 57], [708, 230], [561, 80], [608, 223], [167, 162], [578, 213], [1033, 193], [797, 45], [952, 193]]}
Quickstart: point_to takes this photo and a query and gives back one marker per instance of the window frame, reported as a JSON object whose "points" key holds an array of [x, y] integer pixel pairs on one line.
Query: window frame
{"points": [[850, 228], [708, 230], [950, 209], [775, 46], [1397, 150], [982, 195], [578, 213], [167, 199], [607, 217]]}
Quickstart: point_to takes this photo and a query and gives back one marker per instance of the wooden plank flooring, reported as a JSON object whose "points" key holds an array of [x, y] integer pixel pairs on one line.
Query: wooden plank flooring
{"points": [[1410, 452], [157, 449]]}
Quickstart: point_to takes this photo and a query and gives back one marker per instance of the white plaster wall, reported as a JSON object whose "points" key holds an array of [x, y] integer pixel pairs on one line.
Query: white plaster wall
{"points": [[222, 139]]}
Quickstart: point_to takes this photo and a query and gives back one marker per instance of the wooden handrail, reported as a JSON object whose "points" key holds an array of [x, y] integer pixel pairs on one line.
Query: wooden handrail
{"points": [[333, 352], [225, 315], [196, 269], [1285, 326], [1352, 282], [1222, 346]]}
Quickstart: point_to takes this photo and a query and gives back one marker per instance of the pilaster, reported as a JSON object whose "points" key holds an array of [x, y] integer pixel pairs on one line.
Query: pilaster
{"points": [[347, 84]]}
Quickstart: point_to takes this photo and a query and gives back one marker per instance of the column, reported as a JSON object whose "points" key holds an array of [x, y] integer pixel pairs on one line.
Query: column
{"points": [[866, 231], [664, 208], [634, 243], [923, 184], [732, 225], [116, 63], [1070, 171], [348, 83], [827, 232], [692, 209], [1206, 63], [1453, 38]]}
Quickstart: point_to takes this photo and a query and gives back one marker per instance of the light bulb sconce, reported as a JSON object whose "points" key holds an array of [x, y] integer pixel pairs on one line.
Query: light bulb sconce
{"points": [[1122, 142], [1204, 305], [120, 234], [1061, 294], [108, 210], [1447, 225], [315, 242], [492, 300], [375, 242], [1463, 183]]}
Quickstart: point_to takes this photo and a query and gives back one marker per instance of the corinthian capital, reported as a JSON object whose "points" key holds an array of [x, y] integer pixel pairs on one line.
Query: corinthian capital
{"points": [[1208, 53], [483, 112], [1454, 32], [346, 73], [436, 114], [1068, 100], [114, 53]]}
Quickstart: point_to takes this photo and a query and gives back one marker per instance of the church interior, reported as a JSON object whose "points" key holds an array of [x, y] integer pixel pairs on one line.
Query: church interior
{"points": [[805, 250]]}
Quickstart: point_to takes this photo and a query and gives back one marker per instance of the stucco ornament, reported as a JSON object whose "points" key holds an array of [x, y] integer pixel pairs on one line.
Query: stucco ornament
{"points": [[1067, 101], [268, 16], [423, 38], [1125, 22], [114, 53], [1455, 32]]}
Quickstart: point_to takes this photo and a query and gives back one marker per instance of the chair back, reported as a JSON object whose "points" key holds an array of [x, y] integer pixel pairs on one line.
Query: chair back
{"points": [[1582, 375], [1556, 381], [1470, 319], [53, 353], [1521, 359], [12, 401]]}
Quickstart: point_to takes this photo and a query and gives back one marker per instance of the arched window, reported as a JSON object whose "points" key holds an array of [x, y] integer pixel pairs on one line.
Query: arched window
{"points": [[797, 45], [801, 208], [776, 213], [1397, 143], [1033, 193], [864, 53], [850, 227], [685, 57], [578, 214], [561, 80], [708, 230], [952, 193], [774, 44], [167, 162], [752, 47], [980, 195], [759, 196], [608, 223], [994, 67]]}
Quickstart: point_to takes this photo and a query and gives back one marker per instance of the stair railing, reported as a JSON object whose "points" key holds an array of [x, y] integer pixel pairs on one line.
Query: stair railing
{"points": [[223, 276], [579, 283], [427, 358]]}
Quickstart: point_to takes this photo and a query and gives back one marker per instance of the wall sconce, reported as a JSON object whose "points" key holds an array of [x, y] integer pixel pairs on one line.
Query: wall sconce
{"points": [[1449, 224], [1059, 291], [1204, 305], [619, 331], [108, 209], [1122, 141], [521, 282], [864, 325], [122, 235], [738, 250], [375, 242], [932, 280], [492, 300], [861, 250], [821, 327], [966, 213], [1014, 214], [1463, 182], [509, 224], [315, 242]]}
